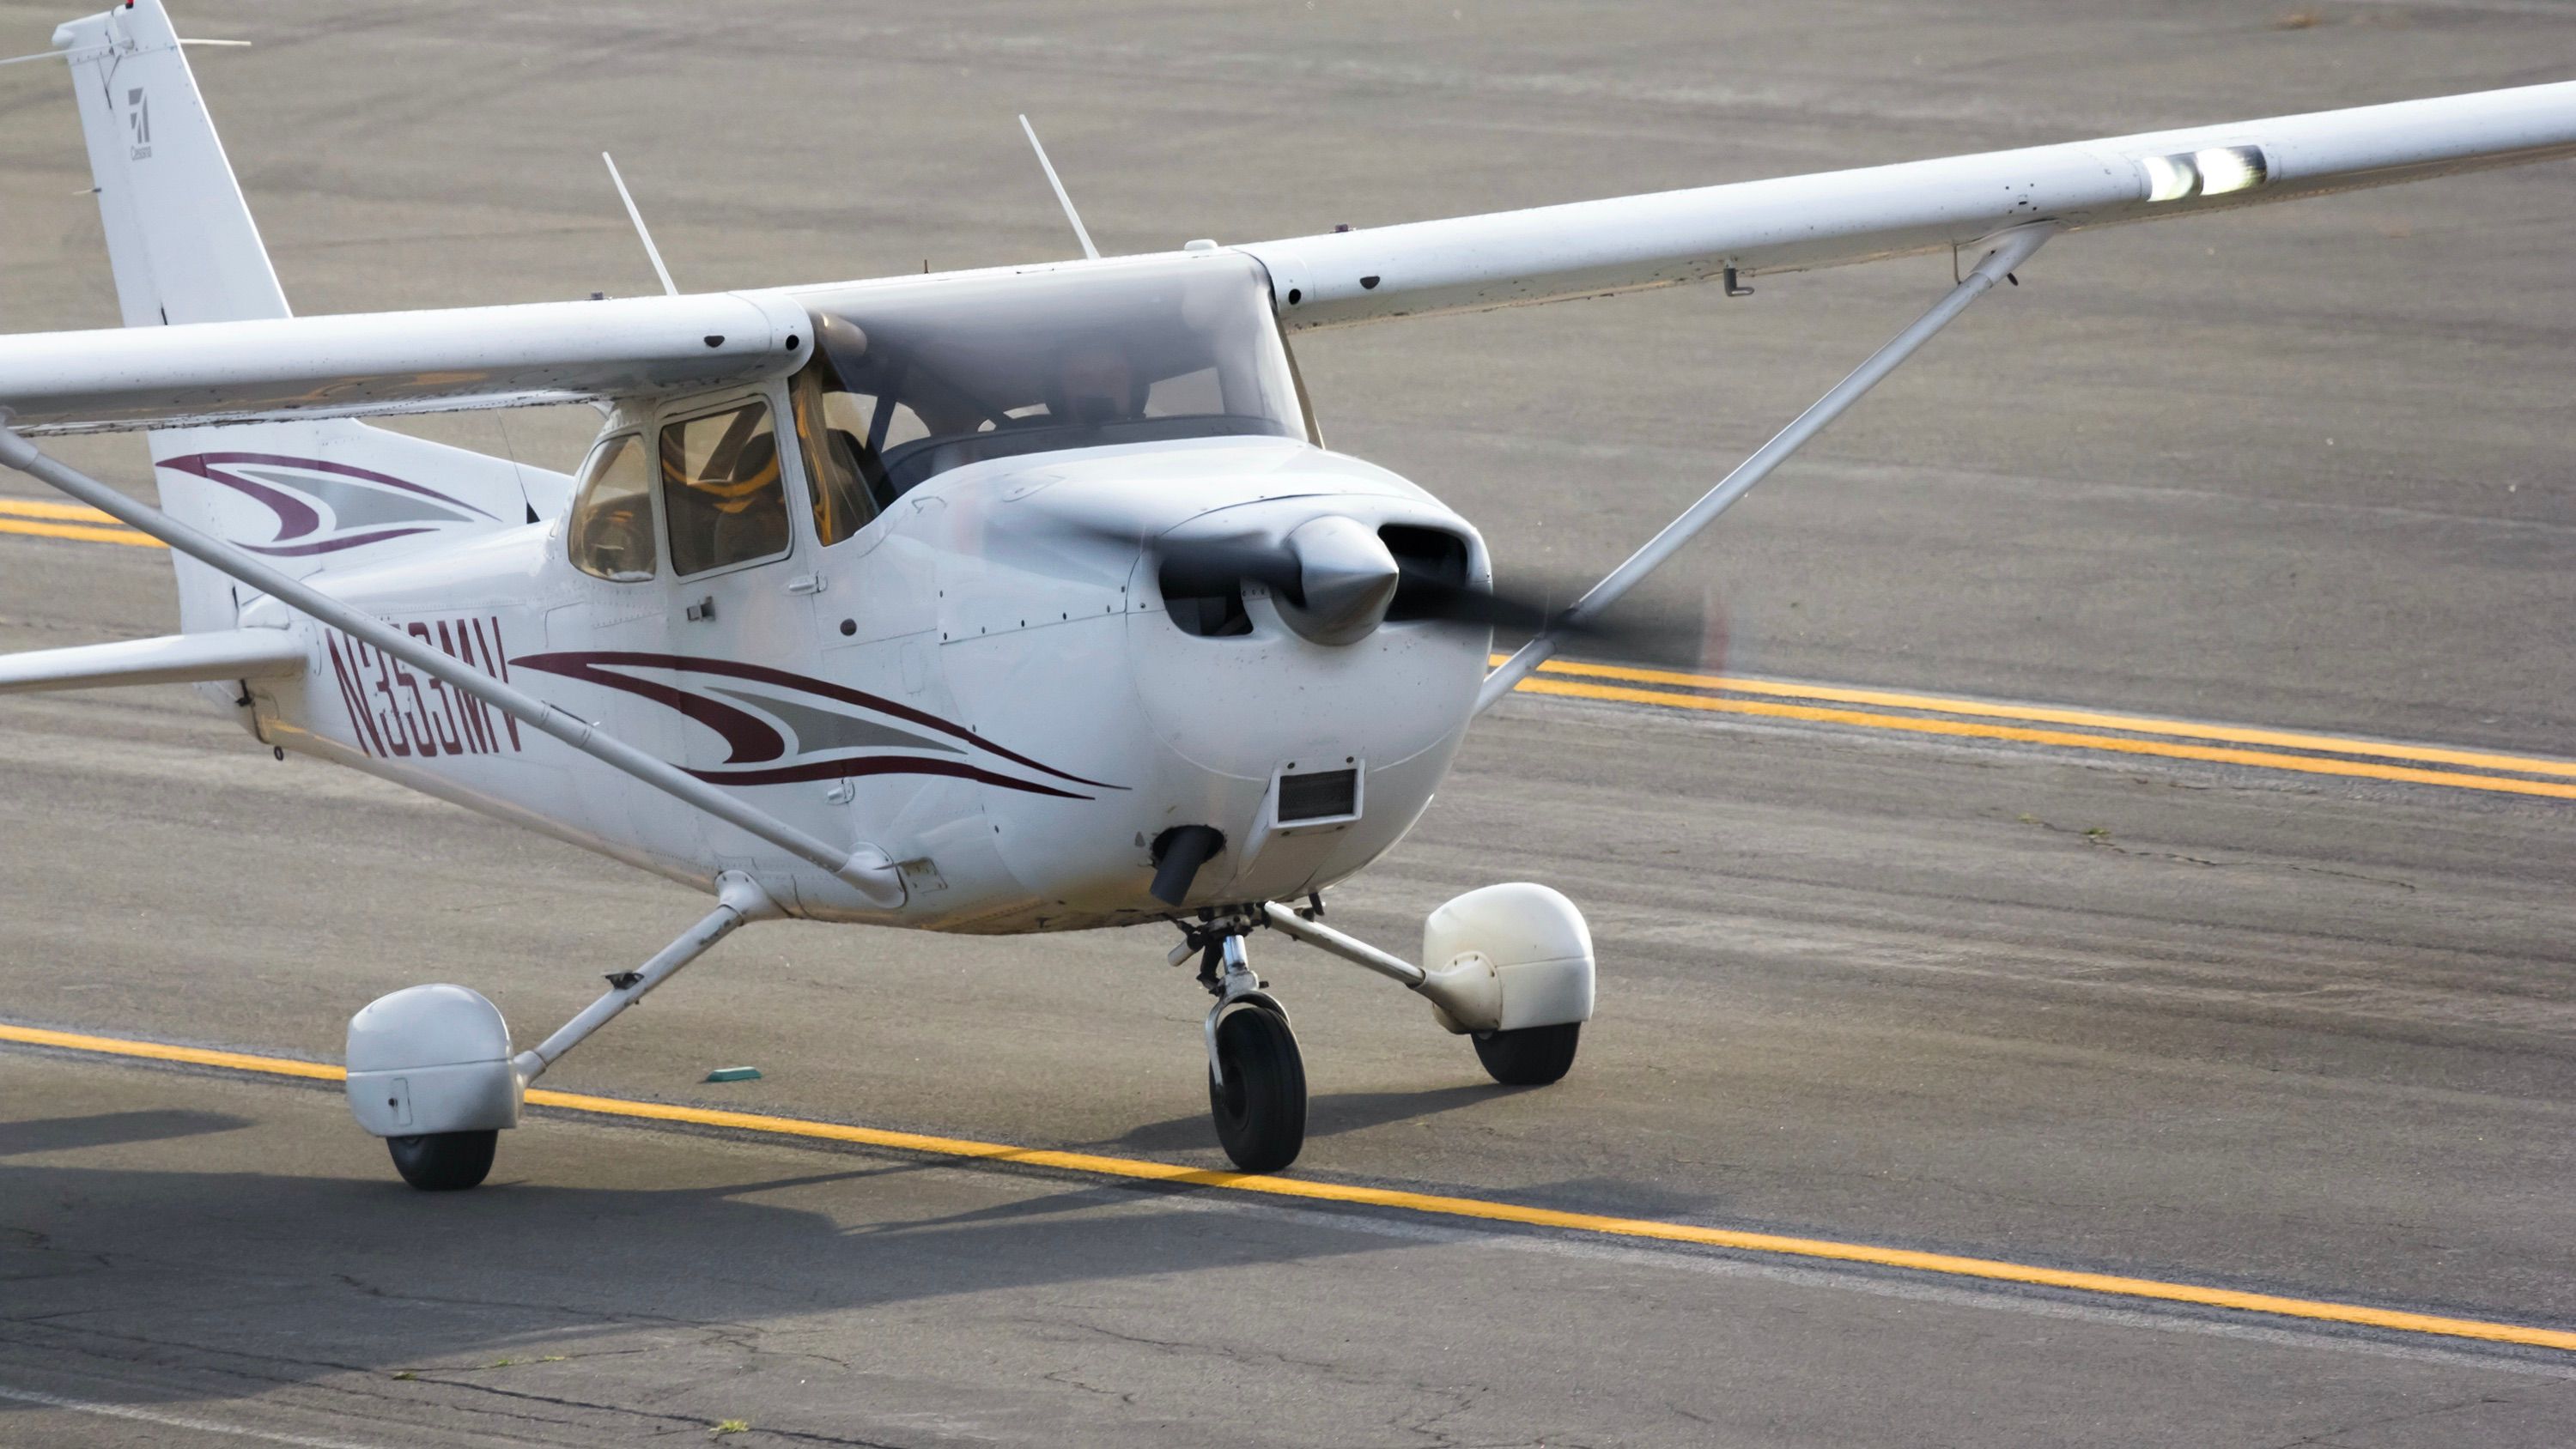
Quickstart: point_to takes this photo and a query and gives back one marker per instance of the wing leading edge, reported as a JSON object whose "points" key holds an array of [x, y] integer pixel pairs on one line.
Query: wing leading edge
{"points": [[414, 362], [365, 364], [1593, 248]]}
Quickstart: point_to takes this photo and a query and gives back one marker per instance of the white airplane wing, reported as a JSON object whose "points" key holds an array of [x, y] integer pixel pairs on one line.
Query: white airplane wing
{"points": [[393, 362], [208, 337], [408, 362], [1594, 248]]}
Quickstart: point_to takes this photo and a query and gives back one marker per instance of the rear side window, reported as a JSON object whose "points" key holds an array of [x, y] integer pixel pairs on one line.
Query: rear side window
{"points": [[611, 530], [722, 497]]}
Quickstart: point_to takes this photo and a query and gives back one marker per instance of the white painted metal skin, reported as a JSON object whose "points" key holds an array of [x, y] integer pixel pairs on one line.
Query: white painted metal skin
{"points": [[375, 364], [1794, 223], [981, 613], [975, 711], [233, 654], [551, 352], [1123, 724]]}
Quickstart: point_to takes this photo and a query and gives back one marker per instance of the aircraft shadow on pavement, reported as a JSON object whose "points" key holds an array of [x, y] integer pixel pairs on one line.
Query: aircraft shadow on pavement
{"points": [[1327, 1115], [181, 1286], [109, 1129]]}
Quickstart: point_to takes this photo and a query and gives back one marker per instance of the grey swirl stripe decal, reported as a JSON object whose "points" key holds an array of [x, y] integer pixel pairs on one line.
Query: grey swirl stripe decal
{"points": [[353, 496]]}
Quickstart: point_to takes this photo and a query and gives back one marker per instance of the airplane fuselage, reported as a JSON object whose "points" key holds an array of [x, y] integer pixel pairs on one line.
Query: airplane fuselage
{"points": [[986, 683]]}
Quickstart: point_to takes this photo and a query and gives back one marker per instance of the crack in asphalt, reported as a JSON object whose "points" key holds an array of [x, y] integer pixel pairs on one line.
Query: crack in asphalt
{"points": [[2327, 1437], [367, 1384], [2099, 838], [1422, 1421]]}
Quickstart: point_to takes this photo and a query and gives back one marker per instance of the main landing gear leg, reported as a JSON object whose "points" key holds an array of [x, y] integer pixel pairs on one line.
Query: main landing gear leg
{"points": [[1509, 967], [430, 1067], [1256, 1076]]}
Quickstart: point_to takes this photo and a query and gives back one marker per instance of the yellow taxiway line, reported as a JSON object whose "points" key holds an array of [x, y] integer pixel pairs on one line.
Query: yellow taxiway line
{"points": [[41, 519], [1963, 718], [1779, 699], [1398, 1200]]}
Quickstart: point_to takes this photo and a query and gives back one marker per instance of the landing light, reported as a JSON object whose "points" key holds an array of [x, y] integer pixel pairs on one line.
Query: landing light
{"points": [[2226, 169], [2169, 178], [2215, 171]]}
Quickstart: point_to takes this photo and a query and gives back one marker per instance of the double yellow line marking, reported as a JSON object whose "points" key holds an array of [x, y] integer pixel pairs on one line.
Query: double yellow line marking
{"points": [[68, 520], [2119, 734], [1397, 1200], [1824, 704]]}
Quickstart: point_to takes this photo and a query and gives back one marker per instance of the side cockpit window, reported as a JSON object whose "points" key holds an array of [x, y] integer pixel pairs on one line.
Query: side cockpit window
{"points": [[610, 534], [841, 468], [722, 495]]}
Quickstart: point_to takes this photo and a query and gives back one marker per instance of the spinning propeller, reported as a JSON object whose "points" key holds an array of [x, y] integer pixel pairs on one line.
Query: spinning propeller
{"points": [[1334, 580]]}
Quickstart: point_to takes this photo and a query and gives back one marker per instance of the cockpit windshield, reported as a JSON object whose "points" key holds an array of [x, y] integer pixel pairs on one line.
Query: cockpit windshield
{"points": [[912, 379]]}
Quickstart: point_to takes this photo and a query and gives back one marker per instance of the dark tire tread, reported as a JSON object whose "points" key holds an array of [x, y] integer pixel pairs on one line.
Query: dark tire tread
{"points": [[1261, 1111], [1533, 1056], [444, 1161]]}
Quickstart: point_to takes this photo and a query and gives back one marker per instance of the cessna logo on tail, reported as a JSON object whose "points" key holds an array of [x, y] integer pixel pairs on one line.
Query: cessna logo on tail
{"points": [[138, 118]]}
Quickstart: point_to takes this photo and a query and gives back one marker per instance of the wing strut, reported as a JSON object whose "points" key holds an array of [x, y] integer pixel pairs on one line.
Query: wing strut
{"points": [[866, 868], [2009, 250]]}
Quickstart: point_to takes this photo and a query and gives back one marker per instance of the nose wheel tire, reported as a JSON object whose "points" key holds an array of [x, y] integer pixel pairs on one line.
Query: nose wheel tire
{"points": [[1533, 1056], [1260, 1109], [444, 1161]]}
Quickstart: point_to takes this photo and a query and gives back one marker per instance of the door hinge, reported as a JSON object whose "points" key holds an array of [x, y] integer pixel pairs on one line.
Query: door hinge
{"points": [[703, 610]]}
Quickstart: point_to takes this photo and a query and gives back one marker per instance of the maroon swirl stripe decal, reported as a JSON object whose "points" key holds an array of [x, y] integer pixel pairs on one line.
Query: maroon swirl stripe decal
{"points": [[301, 505], [884, 765], [752, 741]]}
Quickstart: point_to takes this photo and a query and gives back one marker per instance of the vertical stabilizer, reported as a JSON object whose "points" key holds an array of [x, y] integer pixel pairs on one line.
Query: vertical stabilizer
{"points": [[181, 240], [305, 496]]}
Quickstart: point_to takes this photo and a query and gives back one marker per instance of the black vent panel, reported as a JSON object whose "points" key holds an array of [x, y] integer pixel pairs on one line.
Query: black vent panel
{"points": [[1217, 615], [1434, 564], [1320, 795]]}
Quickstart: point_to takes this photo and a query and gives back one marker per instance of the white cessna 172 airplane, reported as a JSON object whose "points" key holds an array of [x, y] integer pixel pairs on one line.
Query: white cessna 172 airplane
{"points": [[1015, 600]]}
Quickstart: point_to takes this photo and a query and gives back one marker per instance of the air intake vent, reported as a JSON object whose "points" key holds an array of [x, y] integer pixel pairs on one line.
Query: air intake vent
{"points": [[1208, 615], [1322, 795], [1428, 556]]}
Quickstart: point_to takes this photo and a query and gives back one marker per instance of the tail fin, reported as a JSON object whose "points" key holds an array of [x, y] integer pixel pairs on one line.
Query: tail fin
{"points": [[180, 239], [181, 242]]}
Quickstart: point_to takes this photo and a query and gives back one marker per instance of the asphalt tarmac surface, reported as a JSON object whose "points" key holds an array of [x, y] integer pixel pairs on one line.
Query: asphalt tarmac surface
{"points": [[2178, 1021]]}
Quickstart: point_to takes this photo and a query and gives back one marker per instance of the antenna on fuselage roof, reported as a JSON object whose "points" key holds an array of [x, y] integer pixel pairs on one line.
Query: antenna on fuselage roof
{"points": [[669, 289], [1062, 199]]}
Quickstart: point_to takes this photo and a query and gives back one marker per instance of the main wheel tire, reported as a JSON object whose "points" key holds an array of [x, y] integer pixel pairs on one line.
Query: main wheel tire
{"points": [[1530, 1057], [1261, 1110], [444, 1161]]}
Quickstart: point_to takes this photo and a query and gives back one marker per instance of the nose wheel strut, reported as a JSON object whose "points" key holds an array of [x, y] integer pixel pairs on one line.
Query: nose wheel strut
{"points": [[1256, 1076]]}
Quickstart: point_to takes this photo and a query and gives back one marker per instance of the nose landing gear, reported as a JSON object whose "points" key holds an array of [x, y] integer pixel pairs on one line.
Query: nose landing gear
{"points": [[1256, 1076], [1260, 1103], [1509, 967]]}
